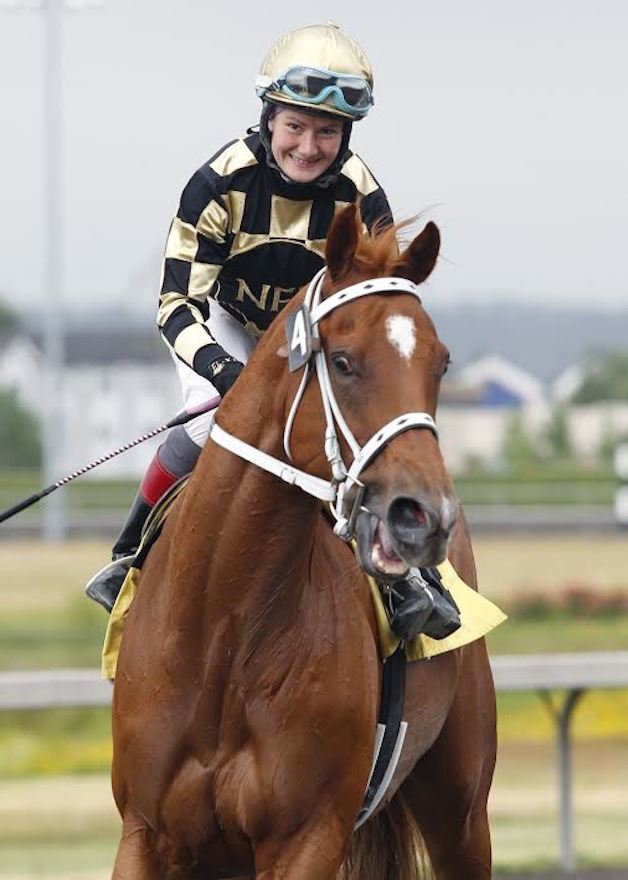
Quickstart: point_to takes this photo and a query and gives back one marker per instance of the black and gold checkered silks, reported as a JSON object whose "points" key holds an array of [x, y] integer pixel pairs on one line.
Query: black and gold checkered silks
{"points": [[250, 240]]}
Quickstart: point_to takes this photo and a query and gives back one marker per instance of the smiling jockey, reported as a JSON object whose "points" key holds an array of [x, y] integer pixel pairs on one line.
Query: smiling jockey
{"points": [[250, 231]]}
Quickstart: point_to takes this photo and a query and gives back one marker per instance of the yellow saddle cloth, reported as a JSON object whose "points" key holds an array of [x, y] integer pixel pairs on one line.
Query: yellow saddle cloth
{"points": [[478, 615]]}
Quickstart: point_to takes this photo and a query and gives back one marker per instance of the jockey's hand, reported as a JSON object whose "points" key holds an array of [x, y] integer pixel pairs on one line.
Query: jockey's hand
{"points": [[223, 371]]}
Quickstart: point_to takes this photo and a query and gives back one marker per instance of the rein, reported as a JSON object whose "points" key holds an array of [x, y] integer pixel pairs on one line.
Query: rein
{"points": [[304, 345]]}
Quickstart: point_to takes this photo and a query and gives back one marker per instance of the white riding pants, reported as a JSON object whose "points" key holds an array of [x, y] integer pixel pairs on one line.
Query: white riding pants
{"points": [[229, 333]]}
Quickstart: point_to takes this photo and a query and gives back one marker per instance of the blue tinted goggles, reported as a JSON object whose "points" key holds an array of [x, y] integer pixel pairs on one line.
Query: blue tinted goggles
{"points": [[311, 85]]}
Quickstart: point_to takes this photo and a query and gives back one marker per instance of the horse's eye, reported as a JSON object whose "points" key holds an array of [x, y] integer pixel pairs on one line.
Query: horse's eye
{"points": [[342, 364]]}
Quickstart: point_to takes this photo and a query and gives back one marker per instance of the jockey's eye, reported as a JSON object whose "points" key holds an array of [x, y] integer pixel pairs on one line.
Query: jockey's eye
{"points": [[342, 364]]}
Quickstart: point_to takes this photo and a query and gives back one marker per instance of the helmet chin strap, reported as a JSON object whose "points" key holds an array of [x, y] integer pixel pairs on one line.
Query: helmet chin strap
{"points": [[344, 478]]}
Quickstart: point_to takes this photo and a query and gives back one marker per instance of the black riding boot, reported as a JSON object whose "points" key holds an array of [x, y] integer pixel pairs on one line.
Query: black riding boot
{"points": [[106, 584], [421, 604], [175, 458]]}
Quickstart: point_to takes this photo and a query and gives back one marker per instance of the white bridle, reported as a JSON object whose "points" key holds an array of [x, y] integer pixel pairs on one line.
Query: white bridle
{"points": [[343, 478]]}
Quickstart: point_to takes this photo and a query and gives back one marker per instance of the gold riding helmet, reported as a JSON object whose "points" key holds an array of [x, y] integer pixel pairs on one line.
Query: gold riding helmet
{"points": [[319, 68]]}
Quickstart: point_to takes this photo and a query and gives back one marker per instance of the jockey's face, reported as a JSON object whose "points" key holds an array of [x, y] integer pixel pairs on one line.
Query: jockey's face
{"points": [[304, 146]]}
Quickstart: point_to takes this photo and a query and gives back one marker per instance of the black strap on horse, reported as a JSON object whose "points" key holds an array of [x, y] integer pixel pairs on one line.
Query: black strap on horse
{"points": [[390, 715]]}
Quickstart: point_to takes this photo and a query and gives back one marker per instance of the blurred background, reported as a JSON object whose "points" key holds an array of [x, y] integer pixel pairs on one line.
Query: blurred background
{"points": [[505, 124]]}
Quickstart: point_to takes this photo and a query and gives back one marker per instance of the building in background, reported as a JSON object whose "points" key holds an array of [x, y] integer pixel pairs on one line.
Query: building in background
{"points": [[118, 384], [478, 402]]}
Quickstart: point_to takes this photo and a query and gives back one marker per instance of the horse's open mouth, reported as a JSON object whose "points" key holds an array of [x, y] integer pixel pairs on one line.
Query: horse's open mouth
{"points": [[375, 548]]}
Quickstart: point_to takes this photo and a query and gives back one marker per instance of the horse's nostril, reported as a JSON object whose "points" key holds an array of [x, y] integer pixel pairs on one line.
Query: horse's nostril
{"points": [[419, 514], [405, 513]]}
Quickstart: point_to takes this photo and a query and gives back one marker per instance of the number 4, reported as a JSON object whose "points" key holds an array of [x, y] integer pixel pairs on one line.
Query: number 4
{"points": [[299, 336]]}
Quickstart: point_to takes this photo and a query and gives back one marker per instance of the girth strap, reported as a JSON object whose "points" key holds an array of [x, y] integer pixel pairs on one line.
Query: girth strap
{"points": [[394, 732]]}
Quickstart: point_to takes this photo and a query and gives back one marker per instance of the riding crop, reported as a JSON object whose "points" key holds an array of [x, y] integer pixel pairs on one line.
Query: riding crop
{"points": [[180, 419]]}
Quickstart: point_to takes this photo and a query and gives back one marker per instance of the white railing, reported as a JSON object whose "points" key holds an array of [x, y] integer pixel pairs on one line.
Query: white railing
{"points": [[570, 674]]}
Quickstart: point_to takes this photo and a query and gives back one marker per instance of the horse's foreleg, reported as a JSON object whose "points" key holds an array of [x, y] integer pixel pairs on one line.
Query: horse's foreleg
{"points": [[316, 852], [136, 857], [448, 789]]}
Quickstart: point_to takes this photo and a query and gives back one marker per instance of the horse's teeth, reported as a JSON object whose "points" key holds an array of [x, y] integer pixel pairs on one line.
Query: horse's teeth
{"points": [[382, 561], [384, 537]]}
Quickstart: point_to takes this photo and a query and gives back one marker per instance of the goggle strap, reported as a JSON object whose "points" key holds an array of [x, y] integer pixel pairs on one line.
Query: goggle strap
{"points": [[263, 82]]}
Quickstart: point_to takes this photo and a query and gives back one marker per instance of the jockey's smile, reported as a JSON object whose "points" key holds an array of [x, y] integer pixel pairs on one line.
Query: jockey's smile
{"points": [[304, 146]]}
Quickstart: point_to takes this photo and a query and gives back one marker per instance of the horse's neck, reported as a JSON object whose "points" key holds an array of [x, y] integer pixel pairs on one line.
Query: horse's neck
{"points": [[262, 530], [260, 589]]}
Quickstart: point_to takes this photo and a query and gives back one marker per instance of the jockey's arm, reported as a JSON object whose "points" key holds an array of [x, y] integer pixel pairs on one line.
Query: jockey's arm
{"points": [[196, 249]]}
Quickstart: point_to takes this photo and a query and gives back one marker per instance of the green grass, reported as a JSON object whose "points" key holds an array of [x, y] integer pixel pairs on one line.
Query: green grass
{"points": [[551, 483], [523, 805], [82, 495], [525, 717], [67, 637], [61, 858], [533, 842], [49, 742], [61, 827], [557, 634], [536, 492]]}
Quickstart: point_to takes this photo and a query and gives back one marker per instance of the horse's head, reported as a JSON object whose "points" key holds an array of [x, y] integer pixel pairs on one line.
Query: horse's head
{"points": [[384, 360]]}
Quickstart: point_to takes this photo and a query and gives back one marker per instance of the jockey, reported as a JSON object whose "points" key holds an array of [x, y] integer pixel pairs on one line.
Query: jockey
{"points": [[249, 232]]}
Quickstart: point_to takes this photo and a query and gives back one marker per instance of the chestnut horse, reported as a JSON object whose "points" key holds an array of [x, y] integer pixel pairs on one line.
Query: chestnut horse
{"points": [[246, 696]]}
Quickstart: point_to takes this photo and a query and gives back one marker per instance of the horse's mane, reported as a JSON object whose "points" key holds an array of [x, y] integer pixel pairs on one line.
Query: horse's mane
{"points": [[378, 252]]}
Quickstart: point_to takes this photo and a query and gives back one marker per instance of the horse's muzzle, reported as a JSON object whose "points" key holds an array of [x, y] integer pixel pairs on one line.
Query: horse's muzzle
{"points": [[410, 533]]}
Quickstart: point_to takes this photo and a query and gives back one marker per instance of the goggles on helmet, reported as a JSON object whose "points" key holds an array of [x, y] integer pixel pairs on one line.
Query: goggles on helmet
{"points": [[312, 85]]}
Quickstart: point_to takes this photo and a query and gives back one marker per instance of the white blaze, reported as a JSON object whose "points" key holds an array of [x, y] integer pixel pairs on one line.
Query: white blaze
{"points": [[401, 334]]}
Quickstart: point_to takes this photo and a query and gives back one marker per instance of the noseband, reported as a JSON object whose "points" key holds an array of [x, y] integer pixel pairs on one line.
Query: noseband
{"points": [[304, 346]]}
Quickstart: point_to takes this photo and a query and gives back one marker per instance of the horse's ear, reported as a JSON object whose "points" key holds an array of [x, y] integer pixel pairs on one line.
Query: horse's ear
{"points": [[418, 260], [342, 242]]}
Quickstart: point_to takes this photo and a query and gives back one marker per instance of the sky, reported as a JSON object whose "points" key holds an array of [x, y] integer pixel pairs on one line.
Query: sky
{"points": [[504, 122]]}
